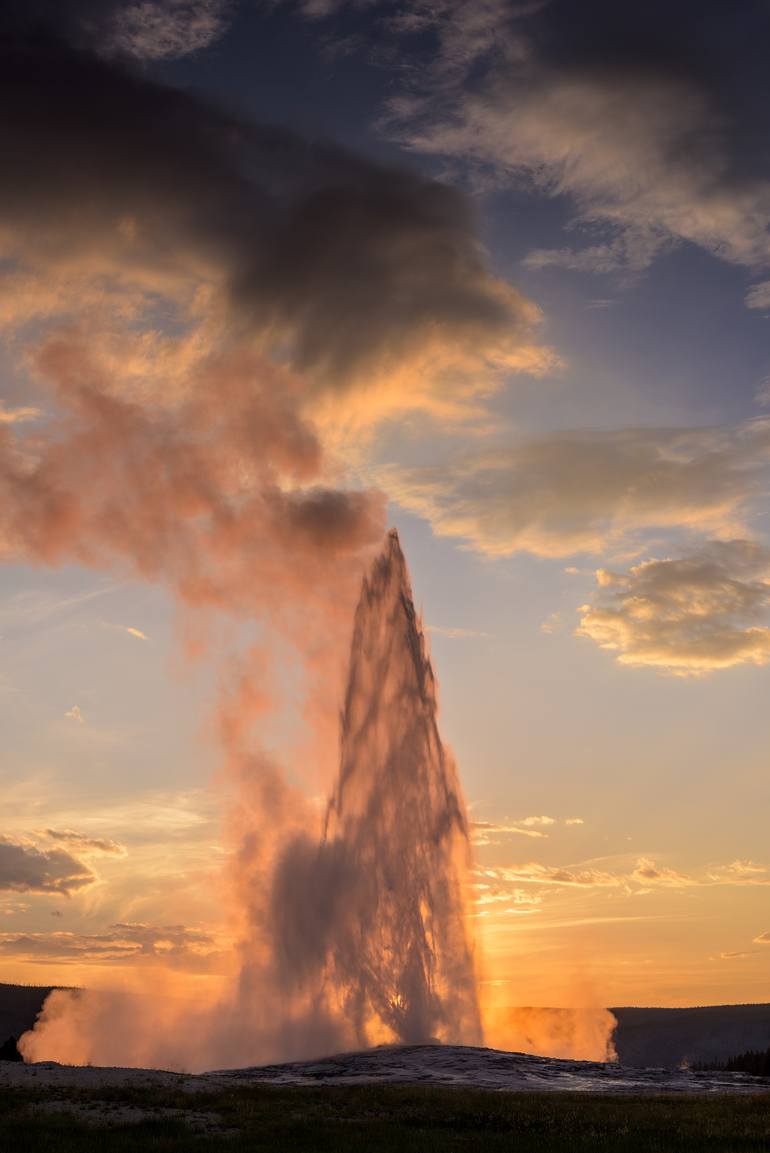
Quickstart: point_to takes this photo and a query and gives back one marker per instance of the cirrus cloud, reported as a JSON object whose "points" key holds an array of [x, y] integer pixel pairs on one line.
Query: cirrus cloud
{"points": [[650, 133], [85, 845]]}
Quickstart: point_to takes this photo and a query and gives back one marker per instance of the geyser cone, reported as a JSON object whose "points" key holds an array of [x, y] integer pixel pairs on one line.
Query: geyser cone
{"points": [[397, 820]]}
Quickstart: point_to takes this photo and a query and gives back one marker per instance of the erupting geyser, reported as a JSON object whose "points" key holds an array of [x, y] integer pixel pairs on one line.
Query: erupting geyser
{"points": [[370, 924], [397, 819], [355, 933]]}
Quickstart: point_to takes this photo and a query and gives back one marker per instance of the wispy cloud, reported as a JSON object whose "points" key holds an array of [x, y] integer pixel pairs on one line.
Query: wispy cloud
{"points": [[454, 633], [648, 156], [647, 872], [489, 833], [492, 832], [740, 873], [129, 630], [36, 606], [532, 872], [758, 296], [552, 624], [121, 942], [762, 393], [585, 491], [85, 845], [18, 415], [645, 875], [167, 29]]}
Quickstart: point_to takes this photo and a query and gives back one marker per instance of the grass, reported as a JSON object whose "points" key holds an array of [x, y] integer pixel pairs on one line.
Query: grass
{"points": [[377, 1118]]}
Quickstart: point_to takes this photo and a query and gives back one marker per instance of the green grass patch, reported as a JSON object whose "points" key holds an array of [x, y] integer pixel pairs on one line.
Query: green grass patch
{"points": [[377, 1118]]}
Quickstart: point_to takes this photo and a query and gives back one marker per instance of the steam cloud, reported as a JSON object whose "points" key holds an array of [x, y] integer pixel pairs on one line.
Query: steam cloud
{"points": [[355, 937]]}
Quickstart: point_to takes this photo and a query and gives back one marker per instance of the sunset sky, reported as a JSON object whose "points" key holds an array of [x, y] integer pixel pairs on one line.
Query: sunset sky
{"points": [[279, 275]]}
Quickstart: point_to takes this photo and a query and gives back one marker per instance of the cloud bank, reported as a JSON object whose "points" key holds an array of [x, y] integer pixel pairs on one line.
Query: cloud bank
{"points": [[137, 943], [583, 491]]}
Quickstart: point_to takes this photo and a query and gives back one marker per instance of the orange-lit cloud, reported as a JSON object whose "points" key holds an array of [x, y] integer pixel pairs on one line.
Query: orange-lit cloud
{"points": [[491, 832], [18, 415], [172, 944], [533, 872], [85, 845], [688, 615], [488, 832], [129, 630], [644, 875], [647, 872]]}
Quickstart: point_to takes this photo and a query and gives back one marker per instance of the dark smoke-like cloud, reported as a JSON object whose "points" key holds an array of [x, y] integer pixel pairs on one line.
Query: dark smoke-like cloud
{"points": [[355, 267], [186, 287], [24, 868]]}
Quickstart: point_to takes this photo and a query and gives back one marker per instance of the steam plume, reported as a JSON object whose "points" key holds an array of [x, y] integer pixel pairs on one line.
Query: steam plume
{"points": [[352, 934], [383, 895]]}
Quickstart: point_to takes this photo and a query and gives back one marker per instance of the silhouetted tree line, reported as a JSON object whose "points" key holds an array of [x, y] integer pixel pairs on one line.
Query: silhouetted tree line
{"points": [[754, 1061]]}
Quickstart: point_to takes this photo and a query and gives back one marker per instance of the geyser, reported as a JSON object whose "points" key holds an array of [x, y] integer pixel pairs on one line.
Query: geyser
{"points": [[355, 932], [398, 956]]}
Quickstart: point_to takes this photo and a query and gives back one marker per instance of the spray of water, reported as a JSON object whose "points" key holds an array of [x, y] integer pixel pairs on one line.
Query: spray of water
{"points": [[389, 874], [355, 933]]}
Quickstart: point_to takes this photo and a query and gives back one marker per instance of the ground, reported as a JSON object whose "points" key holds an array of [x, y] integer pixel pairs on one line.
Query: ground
{"points": [[125, 1118]]}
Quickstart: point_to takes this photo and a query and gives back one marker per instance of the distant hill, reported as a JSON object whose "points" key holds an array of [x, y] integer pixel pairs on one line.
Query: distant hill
{"points": [[671, 1037], [19, 1006]]}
